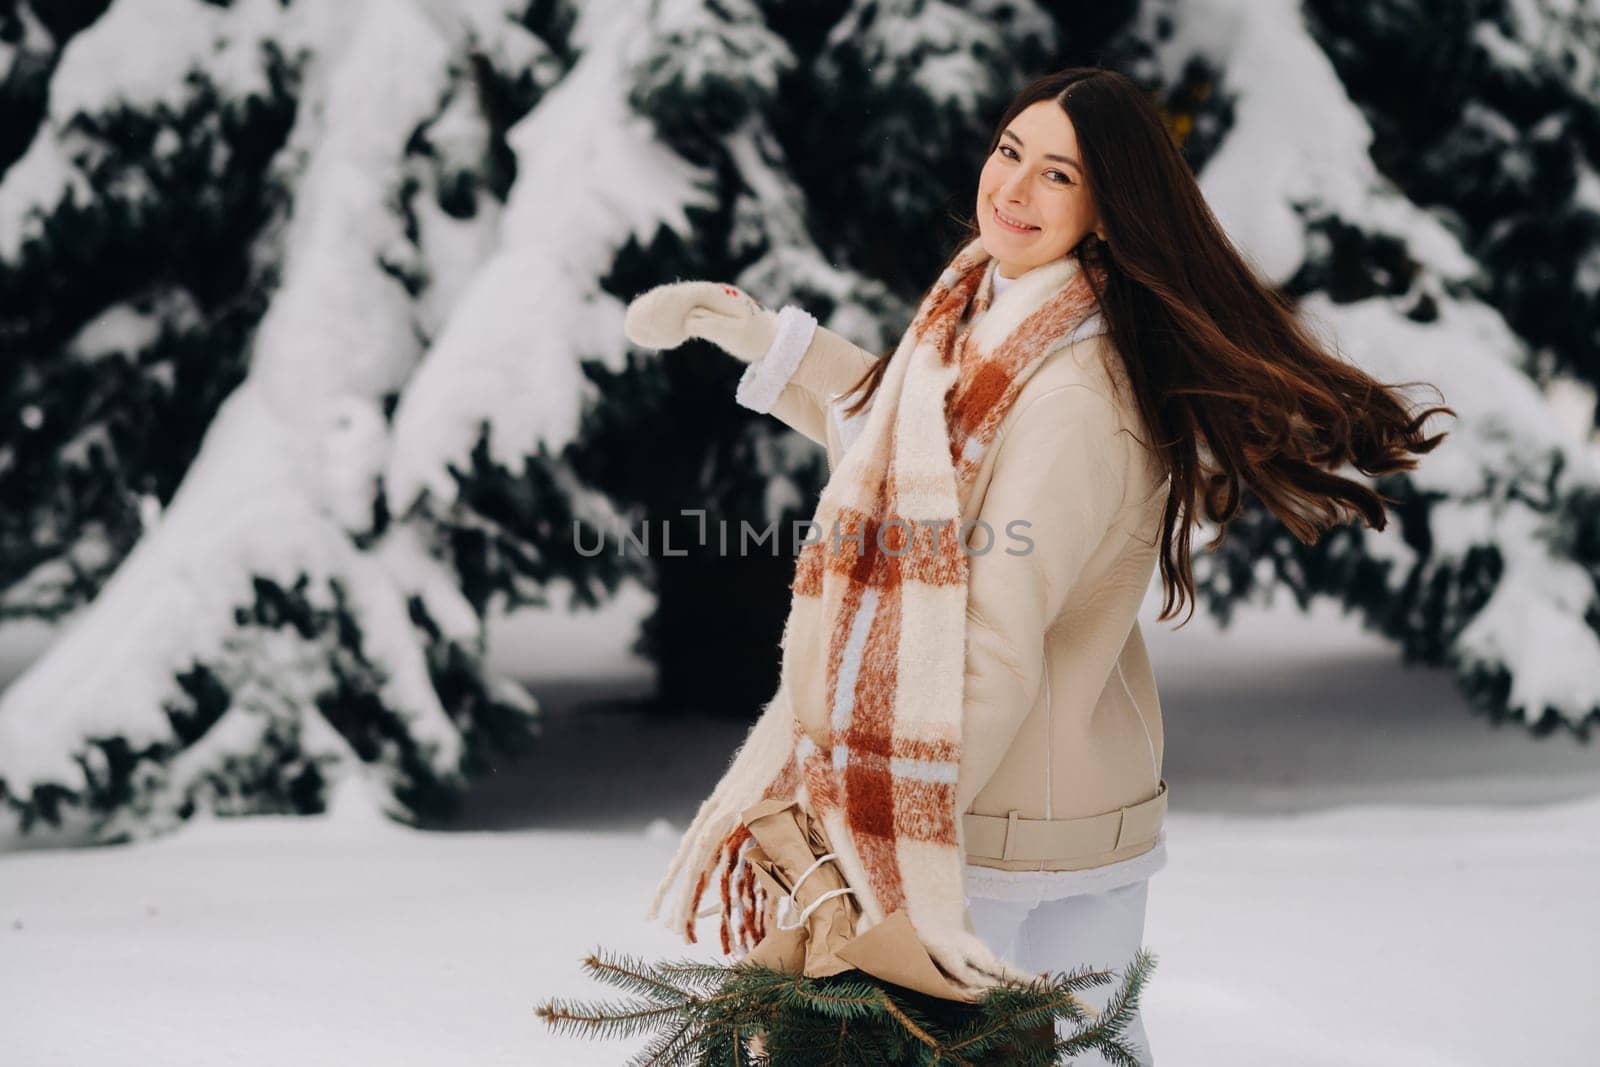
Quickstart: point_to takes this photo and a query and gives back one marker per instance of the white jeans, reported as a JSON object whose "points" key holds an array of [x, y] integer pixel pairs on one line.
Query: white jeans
{"points": [[1102, 929]]}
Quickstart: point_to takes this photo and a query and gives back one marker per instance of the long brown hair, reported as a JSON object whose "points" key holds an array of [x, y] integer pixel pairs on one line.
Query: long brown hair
{"points": [[1234, 390]]}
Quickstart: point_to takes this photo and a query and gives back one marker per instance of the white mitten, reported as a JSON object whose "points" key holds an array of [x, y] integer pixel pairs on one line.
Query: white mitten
{"points": [[668, 315]]}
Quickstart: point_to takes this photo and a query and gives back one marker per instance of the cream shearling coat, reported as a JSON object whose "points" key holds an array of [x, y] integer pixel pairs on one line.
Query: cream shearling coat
{"points": [[1063, 721]]}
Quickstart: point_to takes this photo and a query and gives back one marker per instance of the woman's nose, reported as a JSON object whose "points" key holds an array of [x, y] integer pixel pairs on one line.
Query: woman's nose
{"points": [[1013, 188]]}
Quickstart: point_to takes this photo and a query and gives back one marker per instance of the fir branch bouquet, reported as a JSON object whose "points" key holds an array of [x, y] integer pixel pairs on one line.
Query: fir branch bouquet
{"points": [[819, 990], [710, 1014]]}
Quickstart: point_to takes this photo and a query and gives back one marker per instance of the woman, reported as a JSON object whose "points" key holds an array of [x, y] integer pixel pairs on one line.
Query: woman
{"points": [[980, 730]]}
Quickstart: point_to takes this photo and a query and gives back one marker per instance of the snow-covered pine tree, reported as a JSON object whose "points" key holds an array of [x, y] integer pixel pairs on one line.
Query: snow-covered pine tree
{"points": [[1492, 560], [701, 79], [1491, 111], [224, 247]]}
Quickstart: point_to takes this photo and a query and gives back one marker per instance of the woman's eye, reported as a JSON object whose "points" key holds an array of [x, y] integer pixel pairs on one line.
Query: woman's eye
{"points": [[1057, 176]]}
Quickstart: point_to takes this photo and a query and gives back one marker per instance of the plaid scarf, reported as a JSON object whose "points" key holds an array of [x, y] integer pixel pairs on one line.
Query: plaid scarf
{"points": [[879, 614]]}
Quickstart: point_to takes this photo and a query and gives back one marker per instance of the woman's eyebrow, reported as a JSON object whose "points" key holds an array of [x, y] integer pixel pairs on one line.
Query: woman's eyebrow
{"points": [[1063, 159]]}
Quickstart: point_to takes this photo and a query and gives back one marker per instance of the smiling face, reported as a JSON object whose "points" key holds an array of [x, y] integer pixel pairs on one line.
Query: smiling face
{"points": [[1034, 177]]}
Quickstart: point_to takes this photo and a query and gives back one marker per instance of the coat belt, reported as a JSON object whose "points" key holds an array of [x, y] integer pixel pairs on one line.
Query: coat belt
{"points": [[1008, 837]]}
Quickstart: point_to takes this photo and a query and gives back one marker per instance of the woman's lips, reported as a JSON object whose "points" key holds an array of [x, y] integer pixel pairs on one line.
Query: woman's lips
{"points": [[1010, 228]]}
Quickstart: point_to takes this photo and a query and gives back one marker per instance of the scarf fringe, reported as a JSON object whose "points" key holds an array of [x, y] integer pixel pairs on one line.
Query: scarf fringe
{"points": [[732, 853], [743, 904], [763, 767]]}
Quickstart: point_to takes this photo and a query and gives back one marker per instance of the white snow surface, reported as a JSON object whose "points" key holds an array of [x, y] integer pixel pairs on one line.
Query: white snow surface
{"points": [[1439, 915], [1379, 936]]}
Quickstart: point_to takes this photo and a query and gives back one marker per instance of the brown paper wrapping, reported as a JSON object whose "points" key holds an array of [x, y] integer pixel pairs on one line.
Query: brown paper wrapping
{"points": [[789, 840]]}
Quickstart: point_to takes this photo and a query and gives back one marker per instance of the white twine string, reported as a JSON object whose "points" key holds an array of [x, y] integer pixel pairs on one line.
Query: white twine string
{"points": [[787, 902]]}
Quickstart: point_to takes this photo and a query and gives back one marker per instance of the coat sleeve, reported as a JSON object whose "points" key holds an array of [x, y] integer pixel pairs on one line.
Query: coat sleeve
{"points": [[1059, 480], [827, 365]]}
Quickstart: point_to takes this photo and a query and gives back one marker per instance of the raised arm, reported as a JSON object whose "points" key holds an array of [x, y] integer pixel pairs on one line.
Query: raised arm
{"points": [[797, 377], [795, 365]]}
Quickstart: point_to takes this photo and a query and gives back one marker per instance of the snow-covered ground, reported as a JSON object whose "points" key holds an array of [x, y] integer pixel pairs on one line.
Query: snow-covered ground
{"points": [[1435, 909], [1382, 937]]}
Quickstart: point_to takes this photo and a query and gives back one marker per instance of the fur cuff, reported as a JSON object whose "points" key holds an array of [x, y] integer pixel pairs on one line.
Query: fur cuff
{"points": [[765, 378]]}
